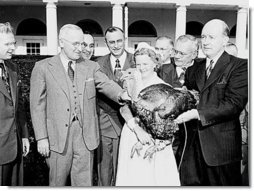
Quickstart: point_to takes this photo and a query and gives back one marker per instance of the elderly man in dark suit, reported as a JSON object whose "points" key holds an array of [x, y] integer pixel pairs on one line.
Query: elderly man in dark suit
{"points": [[63, 109], [13, 129], [222, 81], [111, 122]]}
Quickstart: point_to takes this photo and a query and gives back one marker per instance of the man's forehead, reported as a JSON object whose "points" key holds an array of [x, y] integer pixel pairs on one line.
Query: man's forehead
{"points": [[162, 43], [5, 37], [88, 38], [114, 35]]}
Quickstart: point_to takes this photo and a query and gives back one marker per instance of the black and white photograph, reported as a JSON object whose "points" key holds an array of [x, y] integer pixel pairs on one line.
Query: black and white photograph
{"points": [[125, 93]]}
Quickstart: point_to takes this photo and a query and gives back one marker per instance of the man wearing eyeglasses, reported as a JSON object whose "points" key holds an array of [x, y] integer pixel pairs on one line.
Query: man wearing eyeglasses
{"points": [[13, 130], [164, 46], [63, 109], [111, 122]]}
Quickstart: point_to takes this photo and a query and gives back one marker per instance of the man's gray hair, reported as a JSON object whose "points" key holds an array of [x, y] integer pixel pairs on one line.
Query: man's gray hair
{"points": [[6, 28], [171, 42], [187, 37], [66, 28]]}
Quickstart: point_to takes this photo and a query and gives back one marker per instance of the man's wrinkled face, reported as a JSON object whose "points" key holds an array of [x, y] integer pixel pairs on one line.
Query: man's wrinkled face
{"points": [[212, 39], [164, 48], [72, 44], [115, 43], [7, 45], [88, 49], [184, 53]]}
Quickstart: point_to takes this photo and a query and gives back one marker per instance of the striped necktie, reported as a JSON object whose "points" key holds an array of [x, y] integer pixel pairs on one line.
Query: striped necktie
{"points": [[70, 71], [117, 67], [5, 77], [209, 69]]}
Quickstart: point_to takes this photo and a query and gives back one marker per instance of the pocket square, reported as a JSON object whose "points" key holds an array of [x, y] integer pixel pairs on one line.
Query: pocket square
{"points": [[89, 79], [222, 81]]}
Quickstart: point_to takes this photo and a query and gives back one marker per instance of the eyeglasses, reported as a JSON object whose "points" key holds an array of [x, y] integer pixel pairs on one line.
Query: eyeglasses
{"points": [[161, 49], [11, 43], [182, 54], [75, 44]]}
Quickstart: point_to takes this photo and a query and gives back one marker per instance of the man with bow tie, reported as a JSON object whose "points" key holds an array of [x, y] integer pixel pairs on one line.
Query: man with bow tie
{"points": [[222, 82], [110, 120], [13, 130]]}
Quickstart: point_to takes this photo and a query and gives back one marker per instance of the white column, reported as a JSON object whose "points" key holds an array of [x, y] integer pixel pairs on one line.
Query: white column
{"points": [[51, 17], [117, 15], [241, 28], [126, 13], [180, 21]]}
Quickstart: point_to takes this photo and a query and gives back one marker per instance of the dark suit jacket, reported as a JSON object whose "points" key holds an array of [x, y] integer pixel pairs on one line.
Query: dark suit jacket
{"points": [[222, 98], [167, 72], [12, 117], [110, 119]]}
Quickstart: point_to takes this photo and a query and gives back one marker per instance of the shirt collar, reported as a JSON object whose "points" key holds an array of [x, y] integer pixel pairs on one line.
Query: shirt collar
{"points": [[121, 59], [215, 59], [65, 62]]}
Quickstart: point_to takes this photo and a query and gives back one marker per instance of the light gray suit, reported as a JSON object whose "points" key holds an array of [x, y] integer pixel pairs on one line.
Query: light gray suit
{"points": [[50, 103]]}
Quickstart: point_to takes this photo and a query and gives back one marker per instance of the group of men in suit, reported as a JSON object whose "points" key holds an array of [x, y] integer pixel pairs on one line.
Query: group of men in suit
{"points": [[75, 103]]}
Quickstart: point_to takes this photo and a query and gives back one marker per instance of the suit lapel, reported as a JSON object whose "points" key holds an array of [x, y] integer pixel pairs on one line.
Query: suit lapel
{"points": [[81, 74], [128, 61], [217, 71], [200, 75], [3, 89], [13, 84], [108, 68], [57, 70]]}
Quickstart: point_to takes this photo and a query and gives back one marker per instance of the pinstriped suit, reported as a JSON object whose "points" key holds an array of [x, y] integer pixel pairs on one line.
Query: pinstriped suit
{"points": [[217, 143]]}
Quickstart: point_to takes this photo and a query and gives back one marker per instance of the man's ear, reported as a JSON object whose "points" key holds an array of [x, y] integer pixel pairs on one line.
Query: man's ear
{"points": [[61, 43], [225, 40]]}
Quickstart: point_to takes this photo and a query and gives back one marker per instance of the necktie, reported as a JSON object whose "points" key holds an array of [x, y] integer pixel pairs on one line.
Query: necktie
{"points": [[117, 71], [70, 71], [181, 76], [117, 67], [5, 78], [209, 69]]}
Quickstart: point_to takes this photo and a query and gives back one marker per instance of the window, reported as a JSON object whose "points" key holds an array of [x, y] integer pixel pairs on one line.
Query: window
{"points": [[33, 48], [31, 27], [142, 28], [91, 26], [194, 28]]}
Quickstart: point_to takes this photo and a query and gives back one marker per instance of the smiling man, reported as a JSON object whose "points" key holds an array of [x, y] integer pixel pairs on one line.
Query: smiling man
{"points": [[13, 129], [88, 49], [63, 109], [110, 120]]}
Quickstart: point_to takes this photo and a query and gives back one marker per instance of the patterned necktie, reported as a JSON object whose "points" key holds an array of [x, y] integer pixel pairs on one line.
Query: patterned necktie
{"points": [[181, 76], [117, 67], [117, 71], [209, 69], [70, 71], [5, 78]]}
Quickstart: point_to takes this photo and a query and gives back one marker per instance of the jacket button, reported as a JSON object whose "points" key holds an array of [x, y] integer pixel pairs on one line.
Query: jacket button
{"points": [[11, 104], [68, 109], [66, 125]]}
